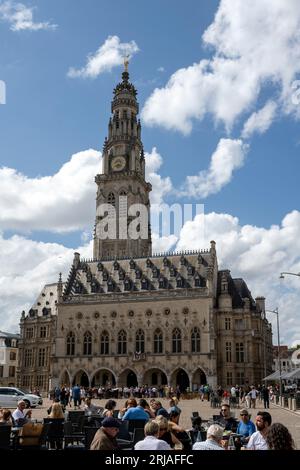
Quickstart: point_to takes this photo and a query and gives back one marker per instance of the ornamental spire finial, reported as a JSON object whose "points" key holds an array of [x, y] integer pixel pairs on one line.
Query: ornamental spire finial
{"points": [[126, 63]]}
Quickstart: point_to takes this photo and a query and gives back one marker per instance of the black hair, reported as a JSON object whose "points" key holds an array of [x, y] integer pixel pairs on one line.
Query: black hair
{"points": [[267, 418]]}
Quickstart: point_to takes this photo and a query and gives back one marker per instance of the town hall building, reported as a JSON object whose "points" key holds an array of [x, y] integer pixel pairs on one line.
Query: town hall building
{"points": [[130, 317]]}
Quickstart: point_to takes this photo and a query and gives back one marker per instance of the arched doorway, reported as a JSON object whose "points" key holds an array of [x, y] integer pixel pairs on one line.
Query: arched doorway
{"points": [[180, 378], [103, 378], [65, 379], [155, 377], [131, 379], [128, 378], [199, 378], [81, 379]]}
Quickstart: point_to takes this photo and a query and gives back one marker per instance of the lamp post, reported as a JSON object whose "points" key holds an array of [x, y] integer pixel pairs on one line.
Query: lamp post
{"points": [[278, 342], [285, 273]]}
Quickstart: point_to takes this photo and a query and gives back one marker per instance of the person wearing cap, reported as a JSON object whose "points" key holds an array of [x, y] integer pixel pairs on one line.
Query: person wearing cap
{"points": [[246, 427], [213, 441], [105, 437]]}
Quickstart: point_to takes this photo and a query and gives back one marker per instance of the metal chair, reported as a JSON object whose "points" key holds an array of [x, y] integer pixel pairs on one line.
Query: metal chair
{"points": [[5, 437], [136, 423]]}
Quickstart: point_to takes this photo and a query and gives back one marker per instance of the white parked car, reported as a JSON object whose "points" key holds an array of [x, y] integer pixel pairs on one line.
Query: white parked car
{"points": [[9, 397]]}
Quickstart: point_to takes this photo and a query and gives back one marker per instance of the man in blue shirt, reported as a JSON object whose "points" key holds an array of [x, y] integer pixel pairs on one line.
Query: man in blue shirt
{"points": [[136, 412], [245, 427]]}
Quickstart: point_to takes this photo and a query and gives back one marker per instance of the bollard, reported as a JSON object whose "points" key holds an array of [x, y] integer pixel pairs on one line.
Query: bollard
{"points": [[294, 408], [289, 403], [281, 401]]}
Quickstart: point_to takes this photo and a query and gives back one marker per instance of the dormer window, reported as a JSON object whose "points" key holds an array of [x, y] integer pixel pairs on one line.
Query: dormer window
{"points": [[144, 284], [127, 284], [132, 264], [155, 272], [190, 270], [138, 274], [161, 283], [121, 275], [179, 282]]}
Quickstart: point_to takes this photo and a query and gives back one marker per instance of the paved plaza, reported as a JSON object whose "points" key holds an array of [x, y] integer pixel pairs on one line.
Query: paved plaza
{"points": [[290, 419]]}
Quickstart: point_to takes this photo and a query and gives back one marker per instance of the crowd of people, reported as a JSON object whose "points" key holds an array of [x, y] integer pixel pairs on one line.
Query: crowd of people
{"points": [[162, 428]]}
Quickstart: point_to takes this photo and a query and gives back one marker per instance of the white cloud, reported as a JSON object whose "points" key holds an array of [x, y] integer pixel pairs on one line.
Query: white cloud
{"points": [[59, 203], [65, 201], [260, 121], [25, 267], [163, 244], [20, 17], [160, 186], [253, 46], [228, 157], [161, 69], [258, 255], [109, 55]]}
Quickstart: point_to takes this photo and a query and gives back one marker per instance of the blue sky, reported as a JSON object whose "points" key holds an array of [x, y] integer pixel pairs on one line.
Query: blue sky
{"points": [[220, 126]]}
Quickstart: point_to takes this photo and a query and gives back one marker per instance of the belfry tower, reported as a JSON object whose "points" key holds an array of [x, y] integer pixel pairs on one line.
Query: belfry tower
{"points": [[122, 185]]}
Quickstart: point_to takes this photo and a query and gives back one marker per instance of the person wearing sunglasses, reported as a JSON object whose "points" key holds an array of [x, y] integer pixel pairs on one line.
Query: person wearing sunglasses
{"points": [[226, 420], [246, 427]]}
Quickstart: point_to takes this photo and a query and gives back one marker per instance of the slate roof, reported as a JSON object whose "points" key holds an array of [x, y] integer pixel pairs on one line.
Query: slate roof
{"points": [[162, 272]]}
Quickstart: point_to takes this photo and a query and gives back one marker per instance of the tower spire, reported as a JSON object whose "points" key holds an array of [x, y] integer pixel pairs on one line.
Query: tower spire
{"points": [[126, 63]]}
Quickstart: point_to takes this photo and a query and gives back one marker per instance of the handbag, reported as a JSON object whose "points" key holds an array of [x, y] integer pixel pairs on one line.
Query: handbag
{"points": [[30, 434]]}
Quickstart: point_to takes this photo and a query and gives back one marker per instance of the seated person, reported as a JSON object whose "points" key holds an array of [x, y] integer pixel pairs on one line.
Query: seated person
{"points": [[151, 441], [179, 432], [213, 441], [165, 434], [5, 417], [110, 406], [21, 417], [90, 408], [245, 427], [55, 400], [105, 437], [226, 420], [136, 412]]}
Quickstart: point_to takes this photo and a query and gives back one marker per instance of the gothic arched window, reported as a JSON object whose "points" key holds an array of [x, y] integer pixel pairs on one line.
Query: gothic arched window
{"points": [[87, 344], [158, 342], [70, 344], [104, 343], [111, 199], [122, 342], [176, 340], [195, 340], [140, 341]]}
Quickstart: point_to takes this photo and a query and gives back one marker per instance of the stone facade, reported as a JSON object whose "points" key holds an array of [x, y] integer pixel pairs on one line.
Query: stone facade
{"points": [[8, 359], [37, 343], [127, 317]]}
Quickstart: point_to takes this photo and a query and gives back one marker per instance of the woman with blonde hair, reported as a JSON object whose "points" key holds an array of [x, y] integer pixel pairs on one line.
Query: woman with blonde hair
{"points": [[56, 411], [165, 434], [56, 426]]}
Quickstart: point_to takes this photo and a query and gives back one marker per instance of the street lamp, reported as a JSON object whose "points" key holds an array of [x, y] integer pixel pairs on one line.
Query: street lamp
{"points": [[278, 342], [291, 274]]}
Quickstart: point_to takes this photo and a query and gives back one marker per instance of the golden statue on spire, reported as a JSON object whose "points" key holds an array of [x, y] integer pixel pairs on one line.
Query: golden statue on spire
{"points": [[126, 62]]}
